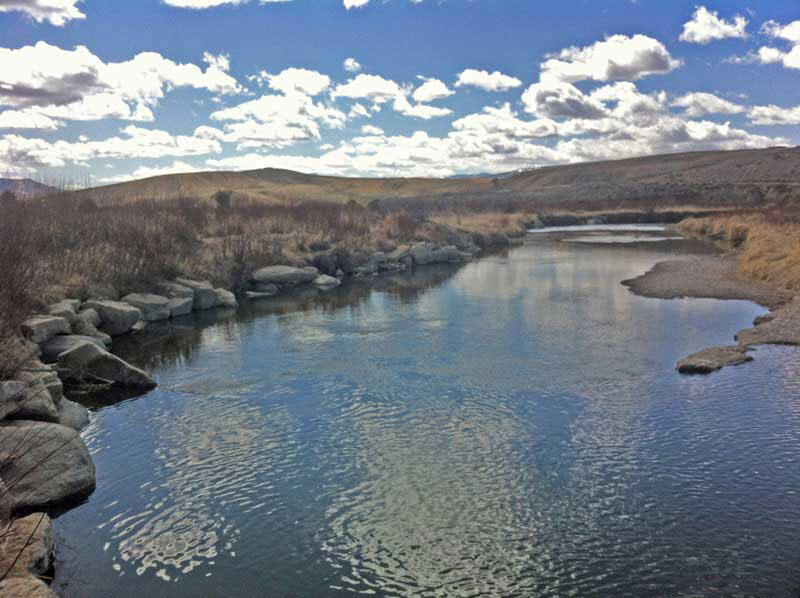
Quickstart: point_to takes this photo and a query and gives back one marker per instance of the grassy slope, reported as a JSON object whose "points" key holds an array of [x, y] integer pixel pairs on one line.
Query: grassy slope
{"points": [[737, 177]]}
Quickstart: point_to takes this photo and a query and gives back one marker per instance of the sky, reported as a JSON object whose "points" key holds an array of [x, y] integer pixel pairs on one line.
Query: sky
{"points": [[97, 92]]}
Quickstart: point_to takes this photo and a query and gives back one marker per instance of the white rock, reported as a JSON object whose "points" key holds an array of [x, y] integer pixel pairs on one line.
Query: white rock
{"points": [[40, 329]]}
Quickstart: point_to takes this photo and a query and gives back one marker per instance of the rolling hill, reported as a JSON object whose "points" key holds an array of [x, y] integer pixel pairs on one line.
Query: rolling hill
{"points": [[732, 178]]}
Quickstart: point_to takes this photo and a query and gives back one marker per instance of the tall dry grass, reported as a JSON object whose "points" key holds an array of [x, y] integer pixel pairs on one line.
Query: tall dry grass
{"points": [[513, 224], [769, 242]]}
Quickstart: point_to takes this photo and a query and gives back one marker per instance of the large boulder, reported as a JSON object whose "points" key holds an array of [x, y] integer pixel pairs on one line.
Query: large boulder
{"points": [[40, 329], [173, 290], [56, 346], [181, 306], [225, 298], [88, 358], [43, 465], [154, 308], [27, 546], [285, 275], [66, 308], [266, 288], [42, 391], [84, 326], [90, 316], [116, 317], [203, 293], [325, 263], [325, 282], [423, 253], [72, 415], [12, 393]]}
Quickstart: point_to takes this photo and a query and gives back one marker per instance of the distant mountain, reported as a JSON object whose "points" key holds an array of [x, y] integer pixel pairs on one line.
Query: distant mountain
{"points": [[25, 187]]}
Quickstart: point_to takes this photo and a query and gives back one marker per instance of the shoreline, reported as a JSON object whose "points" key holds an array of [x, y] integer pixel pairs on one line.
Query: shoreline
{"points": [[716, 277]]}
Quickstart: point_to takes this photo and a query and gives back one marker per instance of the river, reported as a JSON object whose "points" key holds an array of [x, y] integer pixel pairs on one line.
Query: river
{"points": [[510, 427]]}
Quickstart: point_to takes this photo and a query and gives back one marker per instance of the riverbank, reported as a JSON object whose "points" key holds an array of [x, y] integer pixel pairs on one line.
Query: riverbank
{"points": [[720, 277]]}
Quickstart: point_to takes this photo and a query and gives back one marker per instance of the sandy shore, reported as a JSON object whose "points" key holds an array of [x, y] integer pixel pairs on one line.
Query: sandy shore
{"points": [[716, 277]]}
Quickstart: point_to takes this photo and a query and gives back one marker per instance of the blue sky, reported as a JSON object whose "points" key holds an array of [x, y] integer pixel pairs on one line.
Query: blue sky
{"points": [[120, 90]]}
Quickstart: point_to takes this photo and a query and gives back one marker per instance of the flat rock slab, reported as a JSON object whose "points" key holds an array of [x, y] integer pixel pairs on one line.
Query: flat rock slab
{"points": [[181, 306], [40, 329], [713, 359], [285, 275], [325, 282], [154, 308], [43, 465], [88, 358], [57, 345]]}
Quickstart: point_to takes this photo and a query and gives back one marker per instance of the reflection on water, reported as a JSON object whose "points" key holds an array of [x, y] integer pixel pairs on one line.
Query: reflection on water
{"points": [[511, 427]]}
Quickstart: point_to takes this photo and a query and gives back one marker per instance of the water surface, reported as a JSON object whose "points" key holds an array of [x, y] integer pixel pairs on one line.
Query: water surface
{"points": [[512, 427]]}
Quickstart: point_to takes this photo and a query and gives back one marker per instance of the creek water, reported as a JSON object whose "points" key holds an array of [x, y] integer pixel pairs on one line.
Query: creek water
{"points": [[510, 427]]}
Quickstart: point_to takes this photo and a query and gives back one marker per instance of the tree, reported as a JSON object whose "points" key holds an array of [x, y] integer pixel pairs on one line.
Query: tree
{"points": [[222, 199]]}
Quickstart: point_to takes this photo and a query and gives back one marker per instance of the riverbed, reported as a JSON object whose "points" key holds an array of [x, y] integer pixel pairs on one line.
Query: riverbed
{"points": [[509, 427]]}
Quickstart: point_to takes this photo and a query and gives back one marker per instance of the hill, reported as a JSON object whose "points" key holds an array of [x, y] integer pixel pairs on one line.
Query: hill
{"points": [[25, 187], [731, 178]]}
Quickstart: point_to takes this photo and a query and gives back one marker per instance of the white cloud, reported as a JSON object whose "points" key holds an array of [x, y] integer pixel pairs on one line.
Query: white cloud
{"points": [[706, 26], [358, 110], [701, 103], [770, 55], [371, 130], [348, 4], [618, 57], [432, 90], [378, 90], [55, 12], [554, 99], [351, 65], [200, 4], [303, 81], [495, 81], [77, 85], [143, 172], [774, 115], [26, 119]]}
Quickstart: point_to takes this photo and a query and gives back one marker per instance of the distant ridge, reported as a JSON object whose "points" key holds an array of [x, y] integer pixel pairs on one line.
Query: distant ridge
{"points": [[738, 178], [26, 187]]}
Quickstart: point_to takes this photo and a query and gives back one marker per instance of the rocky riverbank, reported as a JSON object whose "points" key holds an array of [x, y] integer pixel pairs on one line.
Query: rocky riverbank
{"points": [[718, 277], [44, 464]]}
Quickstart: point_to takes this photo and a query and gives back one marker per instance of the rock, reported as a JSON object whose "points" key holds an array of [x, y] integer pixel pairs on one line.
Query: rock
{"points": [[154, 308], [323, 281], [27, 587], [40, 329], [763, 319], [56, 346], [339, 274], [449, 254], [712, 359], [84, 327], [115, 317], [399, 253], [27, 546], [12, 393], [36, 402], [325, 263], [66, 309], [181, 306], [43, 465], [422, 253], [72, 415], [285, 275], [174, 290], [90, 316], [204, 295], [88, 358], [225, 298], [140, 326], [254, 296], [266, 288]]}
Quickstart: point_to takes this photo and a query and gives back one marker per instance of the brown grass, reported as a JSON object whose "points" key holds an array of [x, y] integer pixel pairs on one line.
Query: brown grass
{"points": [[769, 242], [509, 224]]}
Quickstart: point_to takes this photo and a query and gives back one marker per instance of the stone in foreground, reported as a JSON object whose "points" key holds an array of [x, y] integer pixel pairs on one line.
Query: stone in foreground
{"points": [[88, 358], [27, 587], [27, 546], [56, 346], [712, 359], [116, 317], [43, 465], [225, 298], [181, 306], [154, 308], [41, 329], [285, 275]]}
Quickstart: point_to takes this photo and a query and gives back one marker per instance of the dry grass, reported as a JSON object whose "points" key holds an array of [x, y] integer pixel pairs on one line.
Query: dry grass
{"points": [[769, 243], [511, 225]]}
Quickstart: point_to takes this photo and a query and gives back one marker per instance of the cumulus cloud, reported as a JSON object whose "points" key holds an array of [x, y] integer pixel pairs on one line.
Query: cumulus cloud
{"points": [[351, 65], [77, 85], [200, 4], [299, 80], [487, 81], [371, 130], [55, 12], [701, 103], [706, 26], [431, 90], [772, 115], [554, 99], [379, 90], [618, 57], [770, 55]]}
